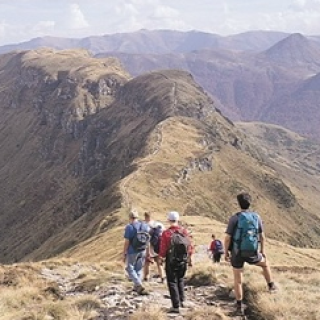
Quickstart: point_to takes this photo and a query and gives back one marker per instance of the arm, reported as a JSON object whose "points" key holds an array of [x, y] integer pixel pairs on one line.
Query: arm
{"points": [[262, 243], [262, 237], [227, 241], [125, 249]]}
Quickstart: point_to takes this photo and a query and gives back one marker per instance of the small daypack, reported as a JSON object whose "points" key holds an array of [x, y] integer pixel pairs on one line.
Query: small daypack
{"points": [[219, 247], [140, 240], [155, 238], [246, 236], [177, 254]]}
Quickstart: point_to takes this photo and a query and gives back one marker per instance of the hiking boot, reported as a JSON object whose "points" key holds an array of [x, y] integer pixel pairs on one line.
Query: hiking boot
{"points": [[141, 291], [239, 311], [174, 310], [273, 288]]}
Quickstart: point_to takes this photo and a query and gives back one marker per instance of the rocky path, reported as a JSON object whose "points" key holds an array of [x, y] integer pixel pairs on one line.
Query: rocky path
{"points": [[119, 302]]}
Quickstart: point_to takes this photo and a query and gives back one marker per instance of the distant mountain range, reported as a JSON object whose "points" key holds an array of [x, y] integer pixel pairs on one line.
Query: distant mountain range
{"points": [[157, 42]]}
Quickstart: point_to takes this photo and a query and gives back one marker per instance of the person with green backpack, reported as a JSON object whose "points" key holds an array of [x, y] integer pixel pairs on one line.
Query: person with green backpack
{"points": [[245, 243]]}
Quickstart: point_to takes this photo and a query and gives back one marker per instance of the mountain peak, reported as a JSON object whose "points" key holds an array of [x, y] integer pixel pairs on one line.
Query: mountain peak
{"points": [[294, 49]]}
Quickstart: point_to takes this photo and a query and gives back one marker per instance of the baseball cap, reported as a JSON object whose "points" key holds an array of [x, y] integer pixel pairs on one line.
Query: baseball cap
{"points": [[134, 214], [173, 216]]}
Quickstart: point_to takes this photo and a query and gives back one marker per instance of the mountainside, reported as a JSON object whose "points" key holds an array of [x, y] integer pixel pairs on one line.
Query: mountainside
{"points": [[299, 110], [294, 51], [249, 86], [81, 143], [292, 156]]}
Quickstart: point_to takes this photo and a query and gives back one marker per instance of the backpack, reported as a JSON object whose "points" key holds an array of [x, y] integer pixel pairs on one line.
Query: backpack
{"points": [[140, 240], [219, 247], [177, 255], [155, 238], [246, 236]]}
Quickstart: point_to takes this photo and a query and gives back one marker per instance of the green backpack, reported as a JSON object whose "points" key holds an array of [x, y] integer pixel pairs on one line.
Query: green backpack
{"points": [[246, 235]]}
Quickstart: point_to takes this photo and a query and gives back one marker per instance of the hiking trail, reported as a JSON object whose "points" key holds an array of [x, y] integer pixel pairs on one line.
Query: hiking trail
{"points": [[118, 301]]}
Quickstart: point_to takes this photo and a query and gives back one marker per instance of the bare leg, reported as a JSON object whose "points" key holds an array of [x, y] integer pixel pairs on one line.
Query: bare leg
{"points": [[146, 270], [237, 275], [265, 269], [160, 267]]}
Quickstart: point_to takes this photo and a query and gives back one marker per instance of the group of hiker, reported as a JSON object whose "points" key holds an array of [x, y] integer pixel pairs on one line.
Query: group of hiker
{"points": [[148, 242]]}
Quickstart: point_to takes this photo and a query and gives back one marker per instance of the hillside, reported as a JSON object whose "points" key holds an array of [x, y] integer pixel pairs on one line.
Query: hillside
{"points": [[295, 50], [81, 143], [292, 156], [247, 85]]}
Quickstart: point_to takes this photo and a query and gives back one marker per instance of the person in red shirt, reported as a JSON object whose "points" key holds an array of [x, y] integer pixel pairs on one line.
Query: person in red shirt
{"points": [[216, 248], [175, 274]]}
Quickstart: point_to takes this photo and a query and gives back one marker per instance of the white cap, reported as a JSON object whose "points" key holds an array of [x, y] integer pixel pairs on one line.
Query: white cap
{"points": [[173, 216], [156, 224]]}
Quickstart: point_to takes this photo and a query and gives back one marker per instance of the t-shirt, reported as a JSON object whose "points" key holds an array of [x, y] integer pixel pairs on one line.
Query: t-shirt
{"points": [[233, 221], [131, 230]]}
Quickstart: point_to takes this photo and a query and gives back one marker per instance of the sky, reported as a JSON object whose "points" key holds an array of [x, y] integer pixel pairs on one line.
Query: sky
{"points": [[22, 20]]}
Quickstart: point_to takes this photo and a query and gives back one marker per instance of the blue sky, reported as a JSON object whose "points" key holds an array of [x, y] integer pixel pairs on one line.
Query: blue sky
{"points": [[21, 20]]}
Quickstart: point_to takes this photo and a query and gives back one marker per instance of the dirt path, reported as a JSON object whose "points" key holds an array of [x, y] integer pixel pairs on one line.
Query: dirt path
{"points": [[118, 301]]}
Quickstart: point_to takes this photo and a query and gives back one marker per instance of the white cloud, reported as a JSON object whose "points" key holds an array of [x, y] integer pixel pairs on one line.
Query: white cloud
{"points": [[43, 27], [2, 29], [139, 14], [77, 18]]}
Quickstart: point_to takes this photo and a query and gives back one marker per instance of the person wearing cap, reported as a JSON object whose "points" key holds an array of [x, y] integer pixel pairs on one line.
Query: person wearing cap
{"points": [[134, 259], [175, 277]]}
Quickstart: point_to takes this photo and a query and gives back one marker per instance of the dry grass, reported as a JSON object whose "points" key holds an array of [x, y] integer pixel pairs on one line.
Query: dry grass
{"points": [[202, 275], [25, 295], [211, 313], [149, 313], [297, 298]]}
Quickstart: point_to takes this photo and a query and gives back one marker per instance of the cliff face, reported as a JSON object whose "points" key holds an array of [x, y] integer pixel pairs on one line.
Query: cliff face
{"points": [[46, 98]]}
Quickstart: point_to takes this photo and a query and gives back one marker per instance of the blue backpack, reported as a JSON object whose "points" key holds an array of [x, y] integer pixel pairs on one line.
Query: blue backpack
{"points": [[219, 247], [246, 235], [141, 239]]}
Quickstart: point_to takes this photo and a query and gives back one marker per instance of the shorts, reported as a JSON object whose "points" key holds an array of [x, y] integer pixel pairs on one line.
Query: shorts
{"points": [[238, 262]]}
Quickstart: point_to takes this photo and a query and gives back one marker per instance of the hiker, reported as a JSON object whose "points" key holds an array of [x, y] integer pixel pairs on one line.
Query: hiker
{"points": [[216, 248], [147, 218], [136, 246], [243, 234], [156, 230], [175, 247]]}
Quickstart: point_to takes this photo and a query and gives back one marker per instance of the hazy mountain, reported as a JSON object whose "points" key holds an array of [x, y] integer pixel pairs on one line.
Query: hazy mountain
{"points": [[294, 51], [298, 110], [156, 41], [81, 143], [247, 86]]}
